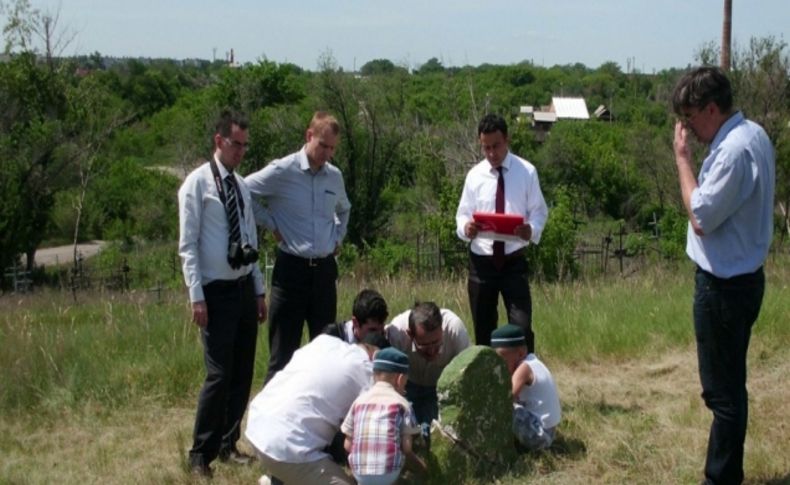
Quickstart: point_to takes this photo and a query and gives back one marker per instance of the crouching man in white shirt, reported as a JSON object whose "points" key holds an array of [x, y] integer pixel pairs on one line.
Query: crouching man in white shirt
{"points": [[296, 416]]}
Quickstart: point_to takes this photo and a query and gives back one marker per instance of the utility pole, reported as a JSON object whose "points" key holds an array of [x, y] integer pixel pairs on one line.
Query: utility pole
{"points": [[726, 36]]}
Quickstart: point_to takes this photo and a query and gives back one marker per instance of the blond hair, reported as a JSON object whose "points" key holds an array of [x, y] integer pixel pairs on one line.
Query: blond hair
{"points": [[323, 121]]}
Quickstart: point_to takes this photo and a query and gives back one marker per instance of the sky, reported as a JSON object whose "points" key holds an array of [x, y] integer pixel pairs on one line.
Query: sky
{"points": [[635, 34]]}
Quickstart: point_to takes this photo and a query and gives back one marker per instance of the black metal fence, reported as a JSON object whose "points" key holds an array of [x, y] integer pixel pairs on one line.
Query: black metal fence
{"points": [[600, 254], [594, 255]]}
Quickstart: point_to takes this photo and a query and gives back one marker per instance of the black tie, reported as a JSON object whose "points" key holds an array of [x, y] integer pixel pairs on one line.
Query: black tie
{"points": [[233, 210], [499, 246]]}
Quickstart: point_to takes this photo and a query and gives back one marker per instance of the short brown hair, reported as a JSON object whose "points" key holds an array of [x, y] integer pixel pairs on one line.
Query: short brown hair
{"points": [[701, 86], [425, 314], [227, 119], [324, 121]]}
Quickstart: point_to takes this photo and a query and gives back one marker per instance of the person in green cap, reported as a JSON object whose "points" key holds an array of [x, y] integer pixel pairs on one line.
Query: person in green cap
{"points": [[536, 404], [380, 424]]}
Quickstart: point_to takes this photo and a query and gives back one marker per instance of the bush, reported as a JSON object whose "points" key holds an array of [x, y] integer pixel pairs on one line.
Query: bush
{"points": [[391, 257], [672, 226], [553, 258]]}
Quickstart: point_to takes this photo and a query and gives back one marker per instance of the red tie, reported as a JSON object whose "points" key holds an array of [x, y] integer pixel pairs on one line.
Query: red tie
{"points": [[499, 246]]}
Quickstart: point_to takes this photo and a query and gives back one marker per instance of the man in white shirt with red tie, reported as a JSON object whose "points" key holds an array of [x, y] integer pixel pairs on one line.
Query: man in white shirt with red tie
{"points": [[501, 183]]}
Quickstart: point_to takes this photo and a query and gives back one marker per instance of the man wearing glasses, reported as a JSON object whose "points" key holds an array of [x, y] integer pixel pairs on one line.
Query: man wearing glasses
{"points": [[218, 246], [431, 337], [730, 210]]}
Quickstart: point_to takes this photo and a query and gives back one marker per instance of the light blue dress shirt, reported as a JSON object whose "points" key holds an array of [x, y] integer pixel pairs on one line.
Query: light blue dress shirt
{"points": [[310, 210], [734, 202]]}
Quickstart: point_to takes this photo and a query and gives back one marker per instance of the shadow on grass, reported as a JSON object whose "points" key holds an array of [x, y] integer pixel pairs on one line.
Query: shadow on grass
{"points": [[568, 447], [607, 409], [777, 480], [601, 407], [565, 447], [535, 463]]}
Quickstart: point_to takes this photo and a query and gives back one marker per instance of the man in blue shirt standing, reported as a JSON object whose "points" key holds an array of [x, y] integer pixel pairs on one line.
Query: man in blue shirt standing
{"points": [[305, 206], [730, 209]]}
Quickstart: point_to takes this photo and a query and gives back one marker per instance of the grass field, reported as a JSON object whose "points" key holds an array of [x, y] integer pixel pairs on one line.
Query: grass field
{"points": [[104, 391]]}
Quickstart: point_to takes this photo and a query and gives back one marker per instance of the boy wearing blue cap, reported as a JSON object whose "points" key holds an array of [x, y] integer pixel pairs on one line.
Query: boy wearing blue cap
{"points": [[536, 406], [380, 424]]}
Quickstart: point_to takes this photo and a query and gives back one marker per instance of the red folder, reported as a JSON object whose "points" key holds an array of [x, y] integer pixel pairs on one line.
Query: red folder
{"points": [[498, 223]]}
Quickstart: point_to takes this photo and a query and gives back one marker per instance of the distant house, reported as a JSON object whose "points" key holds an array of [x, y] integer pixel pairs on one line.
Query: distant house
{"points": [[569, 108], [525, 114], [602, 113], [559, 109], [542, 122]]}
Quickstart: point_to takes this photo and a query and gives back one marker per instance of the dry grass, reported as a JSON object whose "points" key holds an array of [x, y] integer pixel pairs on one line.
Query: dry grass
{"points": [[643, 421], [634, 421], [105, 391]]}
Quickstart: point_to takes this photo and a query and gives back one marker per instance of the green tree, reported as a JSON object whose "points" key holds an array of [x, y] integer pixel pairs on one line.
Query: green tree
{"points": [[761, 81], [373, 128], [378, 67], [593, 160], [31, 132], [432, 65], [553, 258]]}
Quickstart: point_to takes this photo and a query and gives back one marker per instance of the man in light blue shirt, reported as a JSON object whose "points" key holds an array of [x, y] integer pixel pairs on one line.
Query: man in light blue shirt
{"points": [[304, 204], [730, 209]]}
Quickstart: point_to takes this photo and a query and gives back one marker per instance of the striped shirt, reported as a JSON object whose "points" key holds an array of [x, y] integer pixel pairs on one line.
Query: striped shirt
{"points": [[376, 423]]}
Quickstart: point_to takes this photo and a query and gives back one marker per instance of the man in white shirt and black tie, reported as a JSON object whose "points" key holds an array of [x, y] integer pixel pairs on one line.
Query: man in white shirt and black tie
{"points": [[218, 246], [501, 183]]}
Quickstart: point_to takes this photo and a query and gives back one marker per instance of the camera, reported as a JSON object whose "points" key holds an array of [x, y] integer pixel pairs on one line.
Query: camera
{"points": [[239, 255]]}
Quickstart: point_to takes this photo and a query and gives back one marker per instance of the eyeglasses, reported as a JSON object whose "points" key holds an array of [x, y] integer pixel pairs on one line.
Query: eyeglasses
{"points": [[687, 118], [428, 346], [237, 144]]}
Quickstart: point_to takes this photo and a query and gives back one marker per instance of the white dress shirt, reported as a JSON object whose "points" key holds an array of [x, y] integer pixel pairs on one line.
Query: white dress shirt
{"points": [[204, 232], [299, 411], [455, 339], [522, 197], [348, 328]]}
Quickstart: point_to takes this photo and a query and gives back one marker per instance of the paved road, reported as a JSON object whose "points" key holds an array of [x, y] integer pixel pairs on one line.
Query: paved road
{"points": [[65, 254]]}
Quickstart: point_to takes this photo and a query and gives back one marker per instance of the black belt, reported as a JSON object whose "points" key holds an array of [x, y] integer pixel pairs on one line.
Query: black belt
{"points": [[737, 279], [307, 262], [518, 253], [237, 283]]}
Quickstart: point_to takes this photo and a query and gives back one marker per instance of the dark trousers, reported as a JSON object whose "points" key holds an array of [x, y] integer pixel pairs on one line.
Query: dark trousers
{"points": [[724, 312], [302, 289], [486, 283], [424, 401], [229, 354]]}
